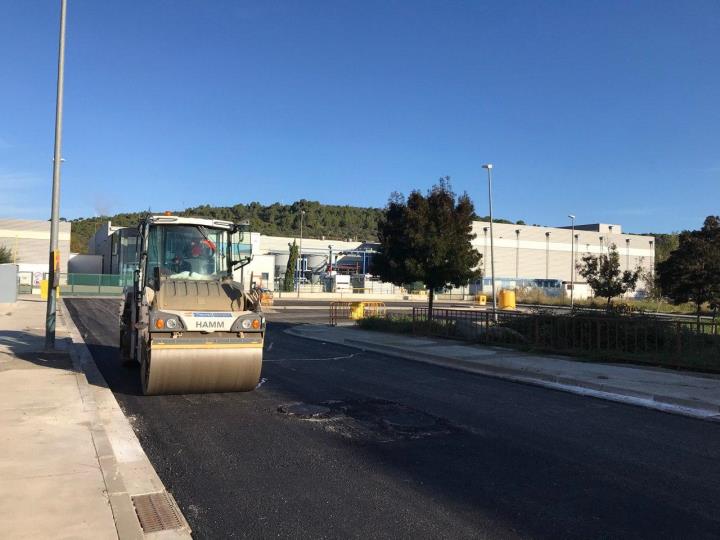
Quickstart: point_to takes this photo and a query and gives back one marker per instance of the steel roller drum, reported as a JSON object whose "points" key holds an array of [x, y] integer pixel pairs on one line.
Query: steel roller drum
{"points": [[184, 370]]}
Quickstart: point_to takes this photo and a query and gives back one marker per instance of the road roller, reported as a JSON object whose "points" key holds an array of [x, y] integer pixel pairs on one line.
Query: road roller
{"points": [[189, 324]]}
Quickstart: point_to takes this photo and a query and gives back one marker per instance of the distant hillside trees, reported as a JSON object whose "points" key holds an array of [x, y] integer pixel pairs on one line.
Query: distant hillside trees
{"points": [[331, 221], [664, 245], [5, 255], [427, 238]]}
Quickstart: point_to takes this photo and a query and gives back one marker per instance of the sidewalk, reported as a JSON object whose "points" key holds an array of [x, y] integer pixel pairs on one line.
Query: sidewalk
{"points": [[690, 394], [61, 474]]}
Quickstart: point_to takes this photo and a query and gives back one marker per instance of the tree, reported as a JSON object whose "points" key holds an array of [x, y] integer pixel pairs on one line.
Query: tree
{"points": [[5, 255], [427, 238], [691, 273], [289, 281], [664, 245], [603, 275]]}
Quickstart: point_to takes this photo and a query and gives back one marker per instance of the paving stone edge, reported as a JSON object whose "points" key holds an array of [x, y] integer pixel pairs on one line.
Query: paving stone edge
{"points": [[126, 520]]}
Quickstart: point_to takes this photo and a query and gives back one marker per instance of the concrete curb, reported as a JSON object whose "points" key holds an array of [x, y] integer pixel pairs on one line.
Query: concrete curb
{"points": [[126, 469], [694, 409]]}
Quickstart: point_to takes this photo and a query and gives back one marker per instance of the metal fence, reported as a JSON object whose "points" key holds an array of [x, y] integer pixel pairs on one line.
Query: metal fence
{"points": [[78, 284], [93, 284], [345, 311], [678, 343]]}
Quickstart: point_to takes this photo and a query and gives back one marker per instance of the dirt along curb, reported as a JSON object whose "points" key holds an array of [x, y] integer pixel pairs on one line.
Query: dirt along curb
{"points": [[129, 476], [699, 410]]}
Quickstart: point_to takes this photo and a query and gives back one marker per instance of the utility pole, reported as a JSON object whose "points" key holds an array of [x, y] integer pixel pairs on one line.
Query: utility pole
{"points": [[302, 215], [54, 259], [489, 167], [517, 255]]}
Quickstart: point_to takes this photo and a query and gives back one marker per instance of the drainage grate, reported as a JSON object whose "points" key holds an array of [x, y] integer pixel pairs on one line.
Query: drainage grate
{"points": [[157, 512]]}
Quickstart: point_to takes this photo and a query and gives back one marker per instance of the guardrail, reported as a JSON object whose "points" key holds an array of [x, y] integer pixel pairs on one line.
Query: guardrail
{"points": [[77, 284], [677, 343], [347, 311]]}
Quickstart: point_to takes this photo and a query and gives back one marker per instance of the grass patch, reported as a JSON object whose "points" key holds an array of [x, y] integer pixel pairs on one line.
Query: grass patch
{"points": [[396, 324], [402, 324]]}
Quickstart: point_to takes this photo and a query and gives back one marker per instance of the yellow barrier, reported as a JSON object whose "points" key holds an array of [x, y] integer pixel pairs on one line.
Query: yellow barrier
{"points": [[374, 309], [507, 299], [357, 310], [481, 299], [44, 289]]}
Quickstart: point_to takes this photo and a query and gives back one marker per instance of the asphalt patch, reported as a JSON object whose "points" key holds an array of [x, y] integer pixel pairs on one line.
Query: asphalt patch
{"points": [[373, 420]]}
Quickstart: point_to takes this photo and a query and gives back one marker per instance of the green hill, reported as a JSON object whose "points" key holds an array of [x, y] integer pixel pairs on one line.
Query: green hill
{"points": [[334, 222], [331, 221]]}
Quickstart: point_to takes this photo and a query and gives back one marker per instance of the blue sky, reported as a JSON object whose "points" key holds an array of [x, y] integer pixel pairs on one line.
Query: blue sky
{"points": [[607, 109]]}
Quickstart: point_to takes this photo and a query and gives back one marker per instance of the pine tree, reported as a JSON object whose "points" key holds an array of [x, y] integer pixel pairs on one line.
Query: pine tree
{"points": [[289, 281]]}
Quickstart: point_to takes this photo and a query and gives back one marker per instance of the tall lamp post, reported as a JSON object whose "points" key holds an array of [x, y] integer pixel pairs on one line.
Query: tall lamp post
{"points": [[489, 167], [54, 258], [302, 215], [572, 262]]}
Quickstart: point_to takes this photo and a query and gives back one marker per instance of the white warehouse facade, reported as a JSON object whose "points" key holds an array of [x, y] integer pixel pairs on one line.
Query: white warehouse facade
{"points": [[529, 252], [526, 256]]}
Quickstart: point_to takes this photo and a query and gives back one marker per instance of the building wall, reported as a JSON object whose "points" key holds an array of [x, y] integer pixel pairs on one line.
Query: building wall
{"points": [[29, 241], [522, 251], [279, 244], [260, 272], [530, 252], [101, 243], [85, 264]]}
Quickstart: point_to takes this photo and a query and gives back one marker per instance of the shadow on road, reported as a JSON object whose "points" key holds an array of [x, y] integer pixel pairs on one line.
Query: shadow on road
{"points": [[28, 347], [123, 378]]}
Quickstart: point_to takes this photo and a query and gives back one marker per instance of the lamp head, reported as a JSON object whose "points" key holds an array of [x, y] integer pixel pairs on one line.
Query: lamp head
{"points": [[571, 216], [487, 166]]}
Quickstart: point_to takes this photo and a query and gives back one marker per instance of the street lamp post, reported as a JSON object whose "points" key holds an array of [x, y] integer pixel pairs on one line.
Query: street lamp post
{"points": [[572, 262], [302, 215], [54, 258], [489, 167], [517, 255]]}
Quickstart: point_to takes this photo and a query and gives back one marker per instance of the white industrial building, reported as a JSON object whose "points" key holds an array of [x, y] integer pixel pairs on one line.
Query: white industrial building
{"points": [[29, 243], [113, 248], [526, 256], [529, 254]]}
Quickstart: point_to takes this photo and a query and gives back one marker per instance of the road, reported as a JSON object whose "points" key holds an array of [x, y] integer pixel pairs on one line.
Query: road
{"points": [[409, 450]]}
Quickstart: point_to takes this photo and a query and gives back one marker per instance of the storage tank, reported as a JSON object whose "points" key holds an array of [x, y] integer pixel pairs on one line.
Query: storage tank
{"points": [[281, 260], [315, 263]]}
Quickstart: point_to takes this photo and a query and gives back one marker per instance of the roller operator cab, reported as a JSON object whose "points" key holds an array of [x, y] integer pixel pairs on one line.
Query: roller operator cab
{"points": [[189, 325]]}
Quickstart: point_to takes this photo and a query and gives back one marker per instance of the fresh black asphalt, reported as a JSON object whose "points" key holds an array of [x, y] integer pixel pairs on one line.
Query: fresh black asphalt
{"points": [[411, 450]]}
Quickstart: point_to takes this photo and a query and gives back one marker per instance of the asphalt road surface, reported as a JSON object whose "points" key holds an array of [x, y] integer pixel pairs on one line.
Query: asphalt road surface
{"points": [[409, 450]]}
